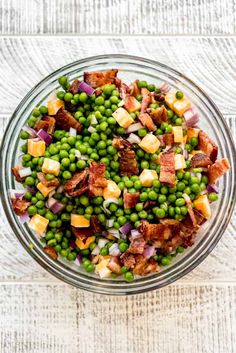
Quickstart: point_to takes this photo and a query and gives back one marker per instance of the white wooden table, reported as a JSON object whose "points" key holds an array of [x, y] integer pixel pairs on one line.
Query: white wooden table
{"points": [[37, 312]]}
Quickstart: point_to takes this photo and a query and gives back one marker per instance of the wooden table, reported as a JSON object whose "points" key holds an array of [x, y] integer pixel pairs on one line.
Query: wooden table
{"points": [[37, 312]]}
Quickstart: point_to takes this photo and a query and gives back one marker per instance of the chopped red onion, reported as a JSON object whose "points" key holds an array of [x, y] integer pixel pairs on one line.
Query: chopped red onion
{"points": [[96, 251], [135, 234], [114, 250], [91, 129], [83, 157], [191, 117], [57, 207], [114, 232], [86, 88], [121, 103], [79, 259], [126, 228], [72, 132], [50, 202], [104, 233], [25, 218], [212, 188], [24, 172], [199, 175], [32, 133], [94, 120], [185, 154], [51, 193], [77, 153], [31, 189], [16, 194], [109, 223], [107, 202], [134, 139], [43, 135], [149, 251], [164, 87], [133, 128], [60, 189], [102, 242]]}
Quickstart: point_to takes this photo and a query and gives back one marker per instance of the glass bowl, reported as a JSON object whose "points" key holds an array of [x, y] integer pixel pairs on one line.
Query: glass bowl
{"points": [[130, 68]]}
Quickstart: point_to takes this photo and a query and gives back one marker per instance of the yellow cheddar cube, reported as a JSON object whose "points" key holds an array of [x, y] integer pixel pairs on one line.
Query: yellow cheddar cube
{"points": [[178, 134], [111, 190], [147, 177], [179, 162], [79, 221], [45, 190], [202, 204], [122, 117], [81, 245], [54, 105], [181, 105], [170, 99], [150, 143], [36, 148], [50, 166], [38, 223], [102, 270]]}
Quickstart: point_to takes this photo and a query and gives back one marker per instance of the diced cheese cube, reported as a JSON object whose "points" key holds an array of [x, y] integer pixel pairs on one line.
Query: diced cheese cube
{"points": [[147, 177], [50, 166], [111, 190], [81, 245], [178, 134], [45, 190], [181, 105], [170, 99], [102, 270], [79, 221], [202, 204], [122, 117], [36, 148], [179, 162], [150, 143], [54, 105], [38, 223], [192, 132]]}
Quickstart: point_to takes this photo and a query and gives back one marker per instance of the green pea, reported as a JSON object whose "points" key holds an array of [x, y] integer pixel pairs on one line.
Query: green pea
{"points": [[180, 202], [165, 261], [142, 132], [62, 80], [178, 121], [160, 213], [195, 188], [66, 175], [123, 246], [68, 96], [205, 179], [152, 195], [161, 199], [144, 196], [30, 181], [194, 141], [213, 196], [179, 95], [142, 84], [32, 210], [128, 276], [171, 198]]}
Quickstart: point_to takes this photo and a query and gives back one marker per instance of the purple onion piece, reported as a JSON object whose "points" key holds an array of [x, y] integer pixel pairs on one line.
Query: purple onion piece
{"points": [[25, 218], [43, 135], [212, 188], [86, 88], [126, 228], [149, 251], [57, 207]]}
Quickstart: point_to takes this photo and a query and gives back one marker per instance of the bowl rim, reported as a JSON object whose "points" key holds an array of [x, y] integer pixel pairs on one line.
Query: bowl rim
{"points": [[94, 284]]}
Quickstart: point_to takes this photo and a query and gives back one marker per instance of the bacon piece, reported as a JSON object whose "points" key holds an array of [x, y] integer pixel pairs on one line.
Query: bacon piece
{"points": [[166, 139], [128, 260], [159, 115], [47, 123], [137, 246], [51, 252], [95, 225], [98, 79], [218, 169], [134, 89], [154, 231], [141, 263], [82, 233], [65, 120], [200, 160], [147, 99], [74, 87], [114, 265], [122, 87], [190, 209], [130, 200], [15, 172], [20, 206], [78, 184], [97, 180], [131, 104], [151, 267], [54, 182], [208, 146], [149, 204], [159, 97], [120, 143], [128, 163], [167, 172], [146, 121]]}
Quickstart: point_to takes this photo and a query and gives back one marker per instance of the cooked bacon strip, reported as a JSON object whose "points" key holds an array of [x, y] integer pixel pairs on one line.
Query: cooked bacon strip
{"points": [[47, 123], [146, 121], [137, 246], [130, 103], [159, 115], [147, 99], [98, 79], [167, 173], [159, 97], [190, 209], [149, 204], [154, 231], [143, 266], [166, 139], [15, 172], [218, 169], [122, 87], [120, 143], [54, 182], [78, 184], [128, 260], [74, 87], [20, 206], [65, 120], [208, 146], [134, 89], [128, 162], [114, 265], [97, 180], [82, 233], [95, 225], [200, 160], [51, 252], [130, 200]]}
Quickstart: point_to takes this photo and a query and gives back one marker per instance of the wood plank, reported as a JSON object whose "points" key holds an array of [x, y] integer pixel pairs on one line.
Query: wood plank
{"points": [[50, 318], [114, 17]]}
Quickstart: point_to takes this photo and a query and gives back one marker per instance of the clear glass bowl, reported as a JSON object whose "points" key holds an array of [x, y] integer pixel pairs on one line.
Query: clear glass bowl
{"points": [[130, 68]]}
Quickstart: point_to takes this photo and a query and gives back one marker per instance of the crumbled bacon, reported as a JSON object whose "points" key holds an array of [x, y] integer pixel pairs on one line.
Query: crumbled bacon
{"points": [[78, 184], [20, 206], [218, 169], [134, 89], [154, 231], [200, 160], [54, 182], [159, 97], [97, 180], [166, 139], [74, 87], [149, 204], [128, 260], [95, 225], [208, 146], [147, 99], [128, 162], [137, 246], [82, 233], [143, 266], [120, 143], [65, 120], [122, 87], [146, 121], [99, 79], [167, 172], [130, 200], [15, 171], [159, 115], [114, 265], [131, 104], [51, 252], [190, 209], [47, 123]]}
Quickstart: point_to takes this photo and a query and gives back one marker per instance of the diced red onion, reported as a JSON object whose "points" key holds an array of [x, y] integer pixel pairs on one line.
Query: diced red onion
{"points": [[16, 194], [96, 251], [31, 189], [114, 250], [149, 251], [51, 193], [164, 87], [32, 133], [83, 157], [24, 172], [60, 189], [104, 233], [57, 207], [135, 234], [102, 242], [72, 132], [25, 218], [126, 228], [43, 135], [134, 139], [114, 232], [91, 129], [50, 202], [79, 259], [86, 88], [191, 117], [94, 120], [185, 154], [109, 223], [107, 202], [36, 139], [77, 153], [212, 188], [133, 128], [199, 175], [121, 103]]}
